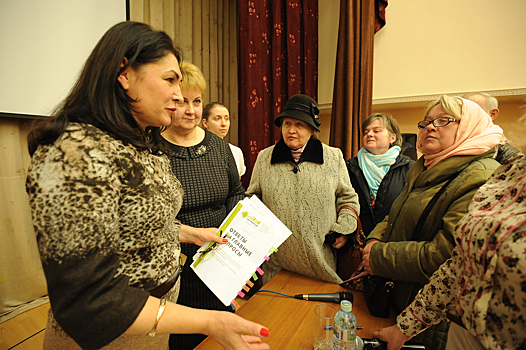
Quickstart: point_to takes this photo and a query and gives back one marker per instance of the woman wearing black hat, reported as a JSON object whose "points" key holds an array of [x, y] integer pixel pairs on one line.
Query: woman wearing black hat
{"points": [[306, 184]]}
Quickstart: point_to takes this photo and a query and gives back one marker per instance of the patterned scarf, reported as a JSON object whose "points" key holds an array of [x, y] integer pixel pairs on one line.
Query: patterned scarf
{"points": [[374, 167]]}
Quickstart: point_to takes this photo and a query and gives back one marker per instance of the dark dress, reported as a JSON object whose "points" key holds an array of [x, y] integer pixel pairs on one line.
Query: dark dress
{"points": [[210, 179]]}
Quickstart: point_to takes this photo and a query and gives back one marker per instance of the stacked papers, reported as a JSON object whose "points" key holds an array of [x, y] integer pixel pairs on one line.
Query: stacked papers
{"points": [[253, 233]]}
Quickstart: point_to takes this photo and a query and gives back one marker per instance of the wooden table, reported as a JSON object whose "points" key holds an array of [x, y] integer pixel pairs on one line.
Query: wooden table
{"points": [[291, 321]]}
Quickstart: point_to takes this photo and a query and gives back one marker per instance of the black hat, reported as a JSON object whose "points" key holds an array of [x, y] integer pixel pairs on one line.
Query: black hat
{"points": [[301, 107]]}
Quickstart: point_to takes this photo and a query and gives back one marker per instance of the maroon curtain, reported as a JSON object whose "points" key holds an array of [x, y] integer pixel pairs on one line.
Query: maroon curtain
{"points": [[379, 18], [278, 58], [353, 82]]}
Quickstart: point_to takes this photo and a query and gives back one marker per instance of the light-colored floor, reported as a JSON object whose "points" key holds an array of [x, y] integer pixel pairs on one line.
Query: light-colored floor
{"points": [[25, 331]]}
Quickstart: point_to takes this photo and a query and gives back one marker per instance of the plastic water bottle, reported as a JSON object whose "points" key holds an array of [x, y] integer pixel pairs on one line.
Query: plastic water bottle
{"points": [[344, 327]]}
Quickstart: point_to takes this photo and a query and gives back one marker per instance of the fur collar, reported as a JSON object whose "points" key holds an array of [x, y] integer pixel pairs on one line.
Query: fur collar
{"points": [[313, 152]]}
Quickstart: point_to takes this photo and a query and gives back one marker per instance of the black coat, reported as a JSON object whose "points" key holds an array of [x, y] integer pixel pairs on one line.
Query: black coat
{"points": [[390, 187]]}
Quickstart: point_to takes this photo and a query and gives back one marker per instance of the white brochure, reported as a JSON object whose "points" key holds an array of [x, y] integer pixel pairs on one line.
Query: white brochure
{"points": [[253, 233]]}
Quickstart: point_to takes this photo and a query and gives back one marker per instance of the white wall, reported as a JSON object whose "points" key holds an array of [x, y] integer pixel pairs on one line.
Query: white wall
{"points": [[432, 47], [328, 20], [43, 45]]}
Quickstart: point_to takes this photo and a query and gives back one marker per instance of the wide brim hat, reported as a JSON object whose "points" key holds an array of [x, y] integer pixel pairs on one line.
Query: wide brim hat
{"points": [[301, 107]]}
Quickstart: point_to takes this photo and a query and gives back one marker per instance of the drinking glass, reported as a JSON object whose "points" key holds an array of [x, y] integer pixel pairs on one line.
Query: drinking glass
{"points": [[324, 326]]}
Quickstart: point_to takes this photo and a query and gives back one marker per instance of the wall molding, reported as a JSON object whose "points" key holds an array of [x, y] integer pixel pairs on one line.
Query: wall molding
{"points": [[22, 116], [427, 98], [423, 100]]}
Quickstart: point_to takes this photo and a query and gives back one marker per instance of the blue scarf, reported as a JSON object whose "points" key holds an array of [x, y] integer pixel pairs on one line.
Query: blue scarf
{"points": [[374, 167]]}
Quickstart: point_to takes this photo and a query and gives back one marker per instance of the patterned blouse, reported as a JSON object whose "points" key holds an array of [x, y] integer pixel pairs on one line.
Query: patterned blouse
{"points": [[484, 282], [104, 214]]}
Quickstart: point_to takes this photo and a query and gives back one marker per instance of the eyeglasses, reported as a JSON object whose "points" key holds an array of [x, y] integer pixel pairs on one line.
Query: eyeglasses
{"points": [[209, 252], [438, 122], [195, 103]]}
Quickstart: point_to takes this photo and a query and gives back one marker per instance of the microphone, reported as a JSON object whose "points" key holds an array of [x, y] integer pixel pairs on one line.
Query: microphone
{"points": [[331, 298], [295, 169], [375, 344]]}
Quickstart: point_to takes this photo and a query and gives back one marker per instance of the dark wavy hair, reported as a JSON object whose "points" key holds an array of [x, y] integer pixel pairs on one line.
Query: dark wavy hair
{"points": [[97, 98]]}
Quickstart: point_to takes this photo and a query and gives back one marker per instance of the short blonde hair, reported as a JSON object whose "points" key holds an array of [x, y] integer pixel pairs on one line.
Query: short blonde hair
{"points": [[452, 105], [192, 78]]}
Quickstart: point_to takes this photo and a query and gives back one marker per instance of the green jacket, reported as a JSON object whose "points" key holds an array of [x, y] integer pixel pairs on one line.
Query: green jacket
{"points": [[412, 263]]}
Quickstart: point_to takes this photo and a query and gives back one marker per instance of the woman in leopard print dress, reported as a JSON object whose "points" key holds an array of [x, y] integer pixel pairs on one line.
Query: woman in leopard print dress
{"points": [[104, 202]]}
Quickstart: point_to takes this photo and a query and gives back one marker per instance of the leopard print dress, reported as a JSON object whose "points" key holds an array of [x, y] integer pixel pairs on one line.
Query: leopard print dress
{"points": [[104, 215]]}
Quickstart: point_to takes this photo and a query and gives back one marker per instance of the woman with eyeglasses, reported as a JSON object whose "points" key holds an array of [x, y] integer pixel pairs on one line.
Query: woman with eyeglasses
{"points": [[206, 168], [482, 284], [457, 140]]}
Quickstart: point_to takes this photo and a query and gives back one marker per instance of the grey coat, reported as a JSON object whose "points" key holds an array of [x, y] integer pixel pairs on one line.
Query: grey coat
{"points": [[306, 197]]}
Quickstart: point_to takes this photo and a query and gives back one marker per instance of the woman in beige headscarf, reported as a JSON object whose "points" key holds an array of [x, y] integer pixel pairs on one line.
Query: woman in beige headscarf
{"points": [[457, 140], [481, 285]]}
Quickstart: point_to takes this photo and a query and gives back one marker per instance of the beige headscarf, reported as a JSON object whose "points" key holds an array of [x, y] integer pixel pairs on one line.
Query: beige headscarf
{"points": [[476, 134]]}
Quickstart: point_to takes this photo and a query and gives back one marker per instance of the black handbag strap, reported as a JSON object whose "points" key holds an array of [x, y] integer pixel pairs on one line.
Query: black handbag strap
{"points": [[417, 236]]}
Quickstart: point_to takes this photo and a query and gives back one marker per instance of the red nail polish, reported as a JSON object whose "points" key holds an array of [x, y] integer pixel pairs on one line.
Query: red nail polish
{"points": [[225, 240], [264, 332]]}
